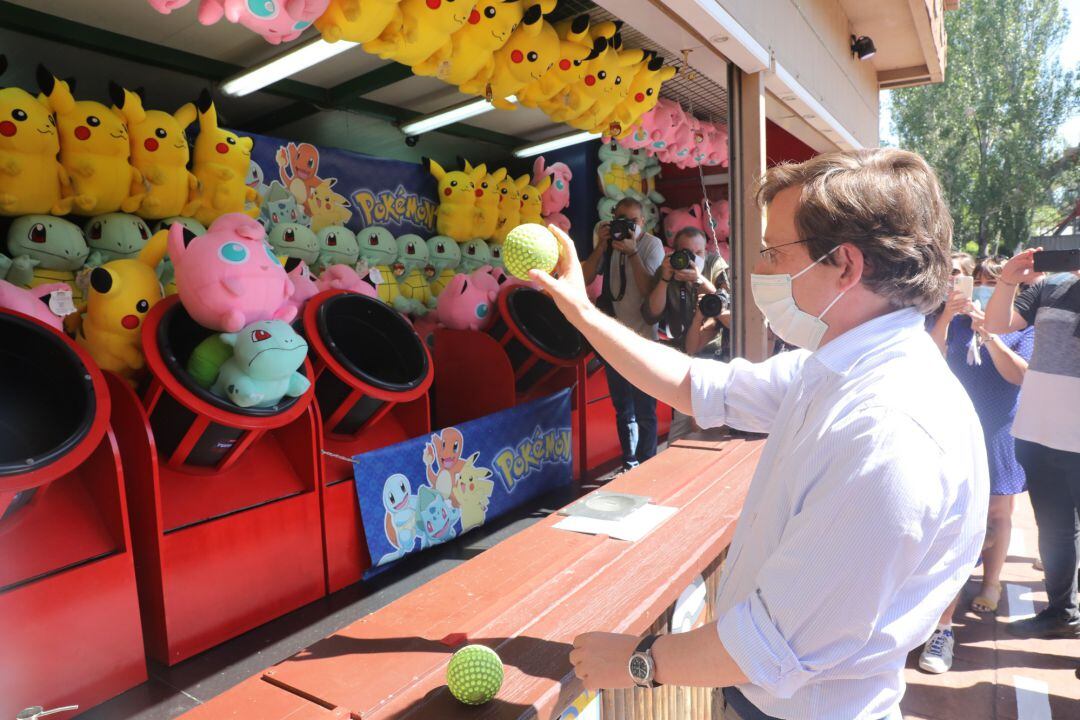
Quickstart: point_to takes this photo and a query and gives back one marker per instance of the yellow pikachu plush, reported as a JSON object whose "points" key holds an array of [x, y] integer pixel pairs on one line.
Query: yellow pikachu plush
{"points": [[487, 203], [642, 97], [457, 199], [532, 49], [612, 84], [221, 164], [576, 48], [509, 206], [94, 149], [421, 31], [580, 96], [121, 293], [531, 203], [159, 150], [32, 180], [473, 46], [356, 20]]}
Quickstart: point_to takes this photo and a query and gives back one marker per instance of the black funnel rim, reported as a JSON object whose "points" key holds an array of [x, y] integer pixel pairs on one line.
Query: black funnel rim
{"points": [[572, 345]]}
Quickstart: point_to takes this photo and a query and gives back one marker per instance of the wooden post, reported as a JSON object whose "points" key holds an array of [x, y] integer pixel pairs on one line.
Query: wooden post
{"points": [[746, 110]]}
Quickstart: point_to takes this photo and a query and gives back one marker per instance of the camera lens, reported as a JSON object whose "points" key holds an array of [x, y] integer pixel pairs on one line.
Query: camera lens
{"points": [[711, 305], [681, 259]]}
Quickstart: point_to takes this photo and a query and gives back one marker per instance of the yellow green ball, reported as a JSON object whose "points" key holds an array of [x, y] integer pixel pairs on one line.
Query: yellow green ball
{"points": [[474, 675], [530, 247]]}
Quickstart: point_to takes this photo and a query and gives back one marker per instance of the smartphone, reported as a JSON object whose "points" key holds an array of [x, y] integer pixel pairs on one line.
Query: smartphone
{"points": [[965, 284], [1057, 260]]}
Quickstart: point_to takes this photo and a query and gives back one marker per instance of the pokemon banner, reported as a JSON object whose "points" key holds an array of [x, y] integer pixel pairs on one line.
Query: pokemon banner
{"points": [[425, 491], [322, 187]]}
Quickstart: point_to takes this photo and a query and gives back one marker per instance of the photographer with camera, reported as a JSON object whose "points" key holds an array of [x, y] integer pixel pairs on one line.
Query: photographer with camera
{"points": [[627, 257], [685, 298]]}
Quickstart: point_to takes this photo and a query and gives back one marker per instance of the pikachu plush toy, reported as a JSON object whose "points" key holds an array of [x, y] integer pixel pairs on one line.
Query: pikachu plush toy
{"points": [[581, 95], [421, 31], [576, 48], [121, 293], [613, 81], [642, 97], [531, 204], [32, 180], [457, 199], [473, 46], [94, 149], [221, 164], [486, 217], [531, 50], [159, 150], [509, 206], [356, 21]]}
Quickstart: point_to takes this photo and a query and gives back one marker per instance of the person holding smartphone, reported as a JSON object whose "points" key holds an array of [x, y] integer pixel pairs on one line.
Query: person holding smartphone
{"points": [[991, 368], [1047, 425]]}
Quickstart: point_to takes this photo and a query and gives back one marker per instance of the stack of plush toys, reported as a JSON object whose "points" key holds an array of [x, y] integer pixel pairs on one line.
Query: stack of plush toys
{"points": [[714, 223], [626, 172], [576, 71], [675, 136]]}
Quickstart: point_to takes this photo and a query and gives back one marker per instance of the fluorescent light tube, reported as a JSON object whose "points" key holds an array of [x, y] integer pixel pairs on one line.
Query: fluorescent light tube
{"points": [[554, 144], [448, 116], [299, 58]]}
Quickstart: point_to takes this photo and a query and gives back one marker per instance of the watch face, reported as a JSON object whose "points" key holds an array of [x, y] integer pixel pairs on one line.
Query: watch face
{"points": [[639, 669]]}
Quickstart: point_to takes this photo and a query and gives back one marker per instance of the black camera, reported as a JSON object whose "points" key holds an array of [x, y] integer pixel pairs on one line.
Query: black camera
{"points": [[712, 305], [622, 228], [681, 259]]}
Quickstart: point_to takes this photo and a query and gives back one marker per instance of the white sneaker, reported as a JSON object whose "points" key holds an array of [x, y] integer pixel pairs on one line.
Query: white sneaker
{"points": [[937, 655]]}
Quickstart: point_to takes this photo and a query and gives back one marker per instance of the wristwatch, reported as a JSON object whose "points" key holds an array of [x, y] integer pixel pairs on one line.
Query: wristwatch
{"points": [[642, 666]]}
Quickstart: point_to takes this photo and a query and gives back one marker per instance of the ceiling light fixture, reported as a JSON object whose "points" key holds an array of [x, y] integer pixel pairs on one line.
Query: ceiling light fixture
{"points": [[555, 143], [306, 54], [448, 116], [863, 46]]}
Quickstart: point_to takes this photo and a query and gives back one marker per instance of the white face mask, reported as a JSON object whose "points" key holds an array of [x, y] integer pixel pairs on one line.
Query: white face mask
{"points": [[981, 294], [699, 263], [772, 294]]}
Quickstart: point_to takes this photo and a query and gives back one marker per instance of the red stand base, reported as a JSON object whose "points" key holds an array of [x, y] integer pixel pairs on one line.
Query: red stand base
{"points": [[68, 602], [221, 552]]}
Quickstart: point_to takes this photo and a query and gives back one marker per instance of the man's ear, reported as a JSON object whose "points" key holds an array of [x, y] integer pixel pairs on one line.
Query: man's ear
{"points": [[853, 265]]}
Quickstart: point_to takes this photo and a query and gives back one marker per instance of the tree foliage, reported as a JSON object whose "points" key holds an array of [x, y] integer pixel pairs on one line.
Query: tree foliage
{"points": [[990, 130]]}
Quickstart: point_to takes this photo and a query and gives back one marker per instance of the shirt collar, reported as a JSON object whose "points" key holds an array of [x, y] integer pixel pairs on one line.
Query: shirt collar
{"points": [[842, 353]]}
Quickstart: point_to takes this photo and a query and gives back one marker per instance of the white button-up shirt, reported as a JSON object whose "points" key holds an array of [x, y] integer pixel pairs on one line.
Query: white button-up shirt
{"points": [[864, 518]]}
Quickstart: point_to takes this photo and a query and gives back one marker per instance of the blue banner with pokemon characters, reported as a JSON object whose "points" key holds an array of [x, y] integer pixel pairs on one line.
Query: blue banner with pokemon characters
{"points": [[319, 187], [425, 491]]}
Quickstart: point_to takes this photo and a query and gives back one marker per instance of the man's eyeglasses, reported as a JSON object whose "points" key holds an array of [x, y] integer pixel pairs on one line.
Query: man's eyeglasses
{"points": [[776, 247]]}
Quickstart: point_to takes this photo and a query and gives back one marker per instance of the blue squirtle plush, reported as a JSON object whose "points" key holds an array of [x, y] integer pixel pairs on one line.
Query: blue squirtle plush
{"points": [[263, 366]]}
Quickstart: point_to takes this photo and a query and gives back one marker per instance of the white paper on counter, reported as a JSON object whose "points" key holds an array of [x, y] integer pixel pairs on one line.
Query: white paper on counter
{"points": [[633, 527]]}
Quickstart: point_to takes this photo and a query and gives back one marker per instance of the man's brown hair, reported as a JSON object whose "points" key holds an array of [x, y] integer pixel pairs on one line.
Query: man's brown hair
{"points": [[885, 202]]}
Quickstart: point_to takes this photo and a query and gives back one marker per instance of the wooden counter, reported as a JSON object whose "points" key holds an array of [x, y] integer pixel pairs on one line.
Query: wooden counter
{"points": [[527, 597]]}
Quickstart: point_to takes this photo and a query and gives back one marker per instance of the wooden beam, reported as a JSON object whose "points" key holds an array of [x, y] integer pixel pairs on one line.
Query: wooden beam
{"points": [[915, 73], [746, 95]]}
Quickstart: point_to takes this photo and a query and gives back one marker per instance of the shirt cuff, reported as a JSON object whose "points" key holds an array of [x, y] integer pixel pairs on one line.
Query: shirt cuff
{"points": [[708, 388], [761, 652]]}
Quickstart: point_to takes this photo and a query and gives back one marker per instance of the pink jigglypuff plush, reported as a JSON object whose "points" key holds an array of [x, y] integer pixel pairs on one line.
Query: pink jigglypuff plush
{"points": [[676, 220], [33, 302], [468, 301], [558, 220], [304, 283], [343, 277], [276, 20], [230, 277], [557, 197]]}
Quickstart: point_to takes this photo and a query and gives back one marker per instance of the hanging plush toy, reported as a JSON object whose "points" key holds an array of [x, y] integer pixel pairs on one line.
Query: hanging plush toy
{"points": [[45, 302], [94, 149], [230, 276], [276, 20], [356, 21], [264, 365], [457, 199], [412, 271], [532, 201], [509, 206], [378, 252], [121, 293], [221, 164], [159, 151], [327, 207], [444, 256], [642, 97], [293, 240], [486, 215], [337, 246], [473, 46], [557, 197], [475, 254], [32, 180], [624, 65], [116, 236], [598, 81], [676, 220], [421, 31], [576, 48], [44, 250], [532, 49]]}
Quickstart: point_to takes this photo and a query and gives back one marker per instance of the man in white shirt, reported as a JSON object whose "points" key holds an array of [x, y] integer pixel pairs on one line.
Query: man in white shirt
{"points": [[867, 509], [631, 262]]}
